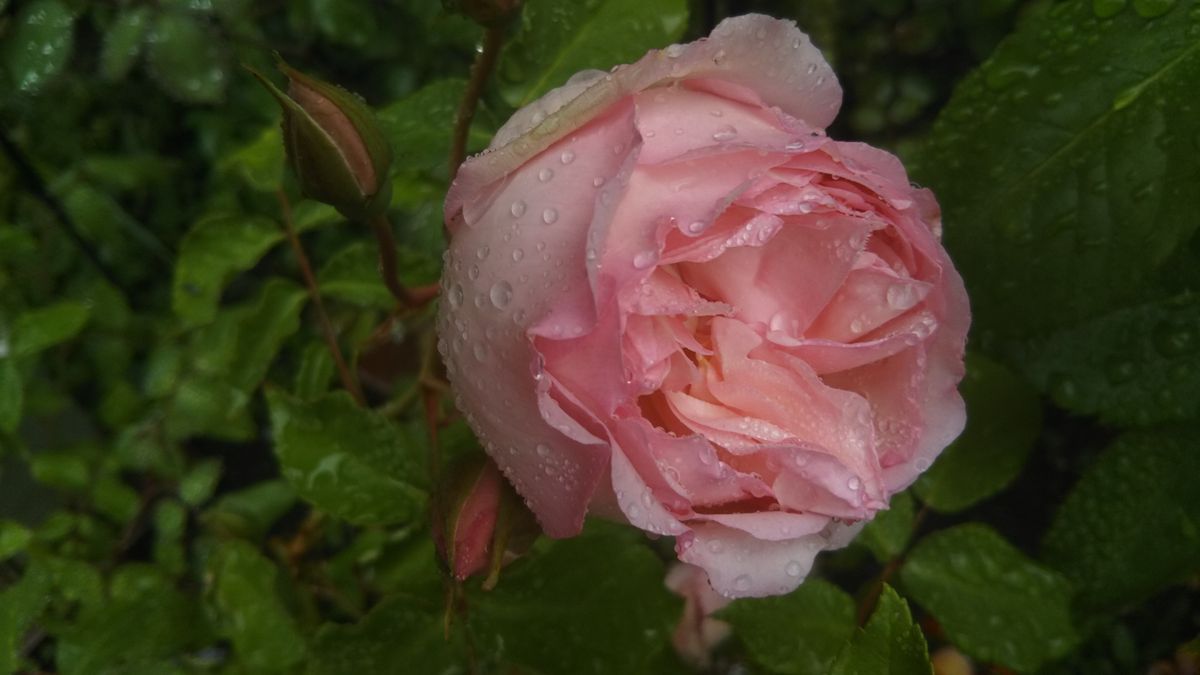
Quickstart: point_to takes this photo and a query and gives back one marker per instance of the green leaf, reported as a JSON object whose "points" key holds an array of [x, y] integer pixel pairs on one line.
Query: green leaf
{"points": [[1067, 162], [350, 462], [347, 22], [145, 620], [252, 615], [14, 537], [12, 395], [888, 533], [352, 275], [250, 512], [187, 57], [559, 39], [799, 633], [20, 604], [1132, 366], [315, 371], [259, 162], [890, 644], [566, 611], [417, 125], [1131, 525], [1004, 418], [44, 327], [216, 248], [264, 325], [123, 42], [40, 43], [401, 629], [993, 602], [199, 483]]}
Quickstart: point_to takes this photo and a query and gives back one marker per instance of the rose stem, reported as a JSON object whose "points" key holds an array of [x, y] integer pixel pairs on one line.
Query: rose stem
{"points": [[485, 63], [310, 281], [387, 260]]}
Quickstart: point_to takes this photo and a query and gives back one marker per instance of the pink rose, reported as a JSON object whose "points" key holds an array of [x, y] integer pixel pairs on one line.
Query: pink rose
{"points": [[697, 634], [672, 299]]}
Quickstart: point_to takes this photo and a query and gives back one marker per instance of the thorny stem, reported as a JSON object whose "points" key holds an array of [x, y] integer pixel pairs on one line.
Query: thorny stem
{"points": [[868, 602], [387, 261], [485, 63], [349, 382]]}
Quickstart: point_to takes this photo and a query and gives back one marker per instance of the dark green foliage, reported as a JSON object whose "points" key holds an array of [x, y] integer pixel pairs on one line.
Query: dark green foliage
{"points": [[185, 486]]}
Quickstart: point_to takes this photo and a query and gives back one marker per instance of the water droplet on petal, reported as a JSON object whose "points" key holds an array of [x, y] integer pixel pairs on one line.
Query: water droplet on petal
{"points": [[545, 175], [482, 252], [567, 157], [794, 569], [724, 133], [645, 259], [456, 296], [696, 226], [543, 450], [901, 296], [549, 216], [501, 294], [517, 209], [517, 254], [473, 273]]}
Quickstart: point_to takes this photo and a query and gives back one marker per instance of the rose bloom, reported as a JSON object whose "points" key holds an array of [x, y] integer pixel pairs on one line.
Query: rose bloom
{"points": [[672, 300]]}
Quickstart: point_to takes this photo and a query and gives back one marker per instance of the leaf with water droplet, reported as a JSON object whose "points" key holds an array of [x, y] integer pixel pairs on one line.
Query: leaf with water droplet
{"points": [[186, 58], [799, 633], [993, 602], [123, 42], [39, 44], [890, 643], [1004, 418], [1131, 525], [1058, 201], [250, 612], [1132, 366], [350, 462], [559, 39]]}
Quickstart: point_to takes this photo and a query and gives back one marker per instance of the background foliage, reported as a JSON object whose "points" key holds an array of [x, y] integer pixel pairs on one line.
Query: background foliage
{"points": [[184, 490]]}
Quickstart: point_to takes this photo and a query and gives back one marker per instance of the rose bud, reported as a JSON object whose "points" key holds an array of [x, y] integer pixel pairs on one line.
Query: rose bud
{"points": [[334, 145], [480, 523], [673, 300]]}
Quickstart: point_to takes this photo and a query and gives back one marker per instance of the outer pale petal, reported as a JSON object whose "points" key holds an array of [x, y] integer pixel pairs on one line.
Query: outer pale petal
{"points": [[517, 270], [741, 565], [769, 57]]}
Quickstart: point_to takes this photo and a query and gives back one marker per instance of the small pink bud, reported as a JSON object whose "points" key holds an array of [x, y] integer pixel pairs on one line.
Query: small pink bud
{"points": [[334, 145]]}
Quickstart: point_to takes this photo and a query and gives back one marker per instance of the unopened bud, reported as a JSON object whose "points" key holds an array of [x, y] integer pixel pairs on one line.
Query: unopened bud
{"points": [[480, 521], [334, 145], [485, 12]]}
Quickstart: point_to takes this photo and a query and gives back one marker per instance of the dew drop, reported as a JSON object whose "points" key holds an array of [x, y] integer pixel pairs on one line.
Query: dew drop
{"points": [[724, 133], [501, 294], [673, 51], [812, 68], [480, 350], [645, 259], [482, 252], [567, 157], [517, 254], [517, 209], [854, 483], [696, 226], [518, 317], [473, 272], [901, 296], [543, 450], [545, 175], [793, 569], [456, 296], [597, 181], [549, 216]]}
